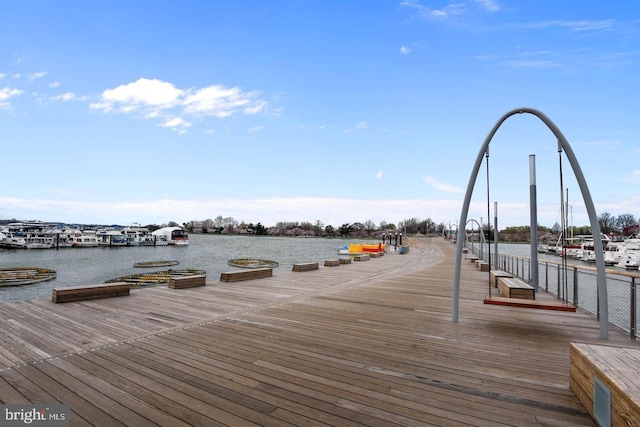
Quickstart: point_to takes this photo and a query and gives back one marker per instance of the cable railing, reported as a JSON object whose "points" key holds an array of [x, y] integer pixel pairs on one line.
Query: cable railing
{"points": [[577, 285]]}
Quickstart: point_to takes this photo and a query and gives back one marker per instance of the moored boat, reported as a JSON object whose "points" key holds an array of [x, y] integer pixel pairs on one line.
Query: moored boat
{"points": [[172, 235], [10, 240]]}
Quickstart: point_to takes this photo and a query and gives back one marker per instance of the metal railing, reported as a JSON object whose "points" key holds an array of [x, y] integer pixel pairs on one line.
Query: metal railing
{"points": [[577, 285]]}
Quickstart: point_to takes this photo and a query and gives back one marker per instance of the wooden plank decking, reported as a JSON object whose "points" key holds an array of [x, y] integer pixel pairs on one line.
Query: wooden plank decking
{"points": [[371, 344]]}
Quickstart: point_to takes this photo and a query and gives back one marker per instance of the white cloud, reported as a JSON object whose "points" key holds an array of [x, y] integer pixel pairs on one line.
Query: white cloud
{"points": [[152, 99], [54, 84], [379, 175], [360, 125], [69, 96], [490, 5], [453, 9], [255, 129], [221, 101], [35, 76], [7, 93], [141, 93], [447, 188], [176, 122], [405, 50], [577, 26], [534, 64]]}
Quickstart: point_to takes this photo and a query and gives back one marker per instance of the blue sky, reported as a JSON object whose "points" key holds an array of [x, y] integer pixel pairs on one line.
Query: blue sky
{"points": [[156, 111]]}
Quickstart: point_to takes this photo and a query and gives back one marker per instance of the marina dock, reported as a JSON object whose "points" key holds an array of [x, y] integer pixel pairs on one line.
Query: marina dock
{"points": [[365, 343]]}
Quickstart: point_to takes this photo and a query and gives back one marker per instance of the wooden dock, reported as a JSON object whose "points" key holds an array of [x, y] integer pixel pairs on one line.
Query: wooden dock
{"points": [[368, 343]]}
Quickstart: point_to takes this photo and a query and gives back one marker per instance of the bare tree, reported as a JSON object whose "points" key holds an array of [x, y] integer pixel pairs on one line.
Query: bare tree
{"points": [[628, 224], [607, 222]]}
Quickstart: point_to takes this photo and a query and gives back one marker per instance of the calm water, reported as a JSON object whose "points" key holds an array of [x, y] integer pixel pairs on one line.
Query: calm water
{"points": [[86, 266]]}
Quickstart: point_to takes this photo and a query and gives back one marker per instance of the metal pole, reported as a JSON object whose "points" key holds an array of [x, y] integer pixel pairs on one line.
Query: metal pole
{"points": [[495, 235], [634, 318], [533, 206]]}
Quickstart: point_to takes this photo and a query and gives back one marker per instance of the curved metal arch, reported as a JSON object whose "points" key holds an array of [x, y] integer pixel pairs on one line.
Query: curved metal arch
{"points": [[483, 241], [563, 144]]}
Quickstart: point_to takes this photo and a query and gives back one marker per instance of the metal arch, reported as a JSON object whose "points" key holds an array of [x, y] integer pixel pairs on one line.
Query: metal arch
{"points": [[603, 300], [480, 231]]}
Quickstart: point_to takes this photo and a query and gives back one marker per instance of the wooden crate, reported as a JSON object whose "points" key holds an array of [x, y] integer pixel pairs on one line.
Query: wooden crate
{"points": [[332, 263], [617, 369], [88, 292], [184, 282], [250, 274], [305, 267], [514, 288]]}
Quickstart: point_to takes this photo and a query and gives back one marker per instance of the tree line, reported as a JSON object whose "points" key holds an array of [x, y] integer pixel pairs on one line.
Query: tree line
{"points": [[229, 225]]}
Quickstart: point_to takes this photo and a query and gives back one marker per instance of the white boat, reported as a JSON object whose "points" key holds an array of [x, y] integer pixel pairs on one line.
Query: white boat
{"points": [[579, 246], [111, 237], [12, 240], [630, 258], [173, 235], [83, 240], [40, 241], [135, 234]]}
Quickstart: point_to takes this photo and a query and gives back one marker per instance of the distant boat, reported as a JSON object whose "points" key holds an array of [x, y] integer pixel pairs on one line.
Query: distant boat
{"points": [[362, 248], [135, 234], [40, 241], [172, 235], [12, 240]]}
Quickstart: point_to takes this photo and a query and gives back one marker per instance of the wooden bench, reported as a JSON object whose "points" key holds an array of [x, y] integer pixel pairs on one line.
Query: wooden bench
{"points": [[472, 258], [305, 267], [82, 293], [605, 379], [482, 265], [332, 263], [249, 274], [362, 257], [375, 255], [345, 260], [514, 288], [184, 282], [495, 274]]}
